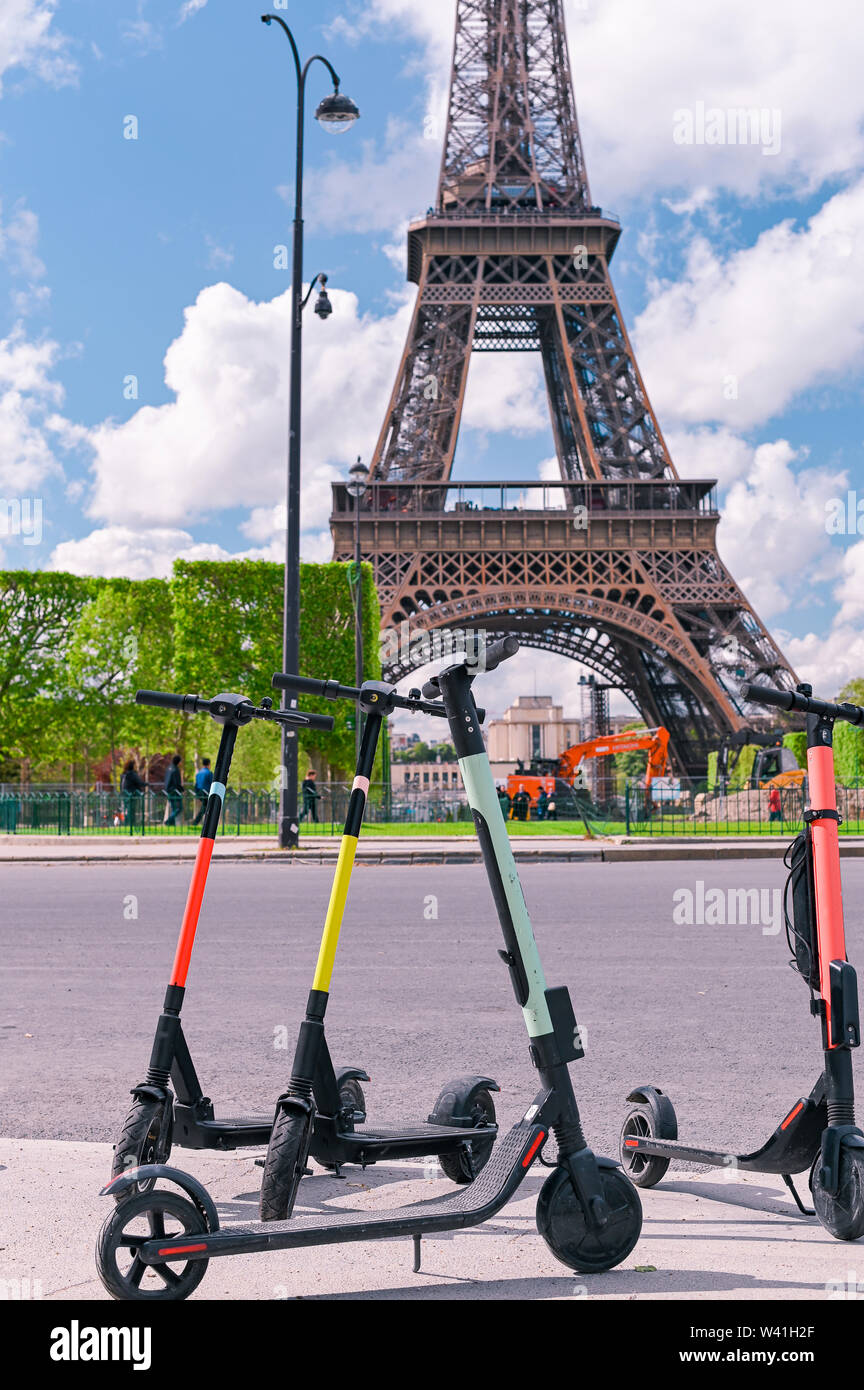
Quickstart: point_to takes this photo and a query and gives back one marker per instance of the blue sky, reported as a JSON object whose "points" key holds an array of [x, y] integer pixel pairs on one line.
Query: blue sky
{"points": [[734, 265]]}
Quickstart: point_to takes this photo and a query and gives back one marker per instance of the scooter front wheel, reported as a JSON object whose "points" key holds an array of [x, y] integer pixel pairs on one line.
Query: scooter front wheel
{"points": [[562, 1224], [842, 1212], [146, 1138], [283, 1167], [149, 1216]]}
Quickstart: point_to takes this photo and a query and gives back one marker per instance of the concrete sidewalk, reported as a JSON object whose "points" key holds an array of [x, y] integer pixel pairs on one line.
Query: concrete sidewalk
{"points": [[703, 1238], [409, 849]]}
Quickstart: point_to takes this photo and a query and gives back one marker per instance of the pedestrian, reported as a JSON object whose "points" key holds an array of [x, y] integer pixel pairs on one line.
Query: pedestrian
{"points": [[521, 803], [504, 801], [132, 788], [542, 804], [551, 810], [310, 797], [174, 791], [203, 780], [775, 806]]}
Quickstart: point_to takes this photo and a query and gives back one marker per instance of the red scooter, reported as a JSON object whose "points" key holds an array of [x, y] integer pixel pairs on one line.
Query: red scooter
{"points": [[819, 1132]]}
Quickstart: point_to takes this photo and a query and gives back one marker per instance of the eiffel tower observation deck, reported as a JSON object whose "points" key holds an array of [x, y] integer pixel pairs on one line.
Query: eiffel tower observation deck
{"points": [[616, 564]]}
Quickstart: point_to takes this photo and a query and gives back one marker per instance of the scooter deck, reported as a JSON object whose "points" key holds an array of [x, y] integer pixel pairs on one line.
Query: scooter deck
{"points": [[791, 1148], [230, 1132], [367, 1145], [468, 1206]]}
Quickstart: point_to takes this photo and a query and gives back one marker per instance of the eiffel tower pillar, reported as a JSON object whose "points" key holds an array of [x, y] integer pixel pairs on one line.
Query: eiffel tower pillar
{"points": [[617, 566]]}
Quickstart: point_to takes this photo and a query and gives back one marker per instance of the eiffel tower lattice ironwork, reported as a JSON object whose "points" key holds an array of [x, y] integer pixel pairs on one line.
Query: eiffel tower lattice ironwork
{"points": [[616, 565]]}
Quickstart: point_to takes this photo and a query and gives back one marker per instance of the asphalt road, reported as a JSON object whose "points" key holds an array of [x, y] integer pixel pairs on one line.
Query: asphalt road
{"points": [[712, 1014]]}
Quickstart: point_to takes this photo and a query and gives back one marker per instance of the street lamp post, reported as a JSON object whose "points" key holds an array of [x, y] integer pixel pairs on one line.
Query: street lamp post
{"points": [[336, 112], [358, 477]]}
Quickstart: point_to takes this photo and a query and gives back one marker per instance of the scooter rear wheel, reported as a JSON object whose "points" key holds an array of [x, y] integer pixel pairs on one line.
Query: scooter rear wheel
{"points": [[146, 1138], [458, 1167], [645, 1170], [842, 1213], [562, 1224], [145, 1217]]}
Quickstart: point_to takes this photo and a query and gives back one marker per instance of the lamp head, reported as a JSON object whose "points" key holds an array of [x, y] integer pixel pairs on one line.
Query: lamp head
{"points": [[336, 113], [358, 477]]}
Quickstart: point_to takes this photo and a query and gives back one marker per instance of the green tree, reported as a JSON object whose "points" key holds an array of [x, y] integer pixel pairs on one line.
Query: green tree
{"points": [[228, 635], [853, 691], [797, 741], [126, 627], [38, 609]]}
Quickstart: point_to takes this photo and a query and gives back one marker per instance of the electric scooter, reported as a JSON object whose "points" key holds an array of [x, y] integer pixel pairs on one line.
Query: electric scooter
{"points": [[461, 1128], [156, 1245], [819, 1133], [160, 1117]]}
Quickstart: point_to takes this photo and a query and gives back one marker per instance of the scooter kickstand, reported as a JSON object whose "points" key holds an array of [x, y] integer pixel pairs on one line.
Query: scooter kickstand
{"points": [[805, 1211], [417, 1240]]}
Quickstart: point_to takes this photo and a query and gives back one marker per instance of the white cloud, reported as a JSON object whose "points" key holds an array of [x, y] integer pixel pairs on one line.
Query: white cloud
{"points": [[850, 590], [709, 453], [222, 442], [218, 257], [827, 660], [27, 392], [189, 8], [368, 188], [737, 340], [506, 392], [28, 41], [136, 554], [772, 533], [19, 237]]}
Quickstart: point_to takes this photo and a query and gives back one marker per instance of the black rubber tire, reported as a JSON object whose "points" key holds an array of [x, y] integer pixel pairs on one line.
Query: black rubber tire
{"points": [[842, 1214], [351, 1093], [283, 1167], [145, 1138], [561, 1222], [645, 1170], [456, 1166], [166, 1283]]}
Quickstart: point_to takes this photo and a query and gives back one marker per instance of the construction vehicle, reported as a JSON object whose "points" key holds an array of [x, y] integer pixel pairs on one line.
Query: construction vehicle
{"points": [[562, 777], [773, 766]]}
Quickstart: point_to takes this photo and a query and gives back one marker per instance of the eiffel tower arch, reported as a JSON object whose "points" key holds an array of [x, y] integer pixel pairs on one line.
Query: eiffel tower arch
{"points": [[616, 565]]}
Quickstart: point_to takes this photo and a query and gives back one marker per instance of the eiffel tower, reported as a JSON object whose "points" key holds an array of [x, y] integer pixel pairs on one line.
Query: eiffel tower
{"points": [[616, 564]]}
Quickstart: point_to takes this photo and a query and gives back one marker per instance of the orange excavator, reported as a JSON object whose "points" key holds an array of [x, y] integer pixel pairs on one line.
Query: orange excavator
{"points": [[560, 777]]}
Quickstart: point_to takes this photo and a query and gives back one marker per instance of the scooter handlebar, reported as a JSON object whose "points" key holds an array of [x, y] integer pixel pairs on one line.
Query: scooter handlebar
{"points": [[500, 651], [328, 690], [193, 704], [804, 704], [315, 721], [492, 657], [163, 699]]}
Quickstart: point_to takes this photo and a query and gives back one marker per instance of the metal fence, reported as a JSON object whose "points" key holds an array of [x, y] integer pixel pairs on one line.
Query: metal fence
{"points": [[251, 811], [682, 806], [677, 806]]}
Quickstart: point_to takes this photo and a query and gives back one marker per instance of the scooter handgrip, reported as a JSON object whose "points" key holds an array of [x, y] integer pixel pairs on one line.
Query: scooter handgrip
{"points": [[430, 690], [316, 721], [767, 695], [162, 699], [283, 680], [500, 651]]}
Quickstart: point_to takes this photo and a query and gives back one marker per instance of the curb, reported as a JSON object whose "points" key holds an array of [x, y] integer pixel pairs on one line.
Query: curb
{"points": [[599, 854]]}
